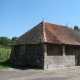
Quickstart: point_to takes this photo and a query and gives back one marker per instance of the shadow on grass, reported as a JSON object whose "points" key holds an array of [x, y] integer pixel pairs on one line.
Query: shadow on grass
{"points": [[7, 64]]}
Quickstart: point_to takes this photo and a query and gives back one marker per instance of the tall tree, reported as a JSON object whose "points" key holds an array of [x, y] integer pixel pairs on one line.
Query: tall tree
{"points": [[77, 28], [14, 38], [4, 40]]}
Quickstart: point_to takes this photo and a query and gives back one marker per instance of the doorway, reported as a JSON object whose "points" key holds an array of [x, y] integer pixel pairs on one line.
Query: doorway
{"points": [[77, 57]]}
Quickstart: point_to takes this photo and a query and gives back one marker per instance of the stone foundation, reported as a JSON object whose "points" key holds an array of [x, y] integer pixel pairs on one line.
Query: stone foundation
{"points": [[52, 62]]}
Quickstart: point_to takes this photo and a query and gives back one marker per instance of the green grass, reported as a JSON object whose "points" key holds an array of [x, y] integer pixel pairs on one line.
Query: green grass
{"points": [[39, 69], [4, 64], [5, 52], [4, 57]]}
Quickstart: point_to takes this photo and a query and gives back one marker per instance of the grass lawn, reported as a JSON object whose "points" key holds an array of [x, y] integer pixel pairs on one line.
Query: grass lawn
{"points": [[4, 51], [4, 64]]}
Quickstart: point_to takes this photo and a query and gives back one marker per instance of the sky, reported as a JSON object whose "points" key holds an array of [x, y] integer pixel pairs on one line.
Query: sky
{"points": [[19, 16]]}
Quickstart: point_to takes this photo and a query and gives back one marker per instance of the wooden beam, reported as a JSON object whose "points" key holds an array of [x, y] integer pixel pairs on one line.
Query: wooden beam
{"points": [[63, 50], [45, 49]]}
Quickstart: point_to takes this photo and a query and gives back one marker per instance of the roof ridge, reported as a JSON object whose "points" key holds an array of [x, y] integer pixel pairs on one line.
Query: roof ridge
{"points": [[44, 33], [56, 24]]}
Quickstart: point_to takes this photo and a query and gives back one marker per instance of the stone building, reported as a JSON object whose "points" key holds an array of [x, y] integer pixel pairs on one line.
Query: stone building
{"points": [[48, 46]]}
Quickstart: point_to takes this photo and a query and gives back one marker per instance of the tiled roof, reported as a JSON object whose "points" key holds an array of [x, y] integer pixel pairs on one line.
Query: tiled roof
{"points": [[49, 33], [61, 34]]}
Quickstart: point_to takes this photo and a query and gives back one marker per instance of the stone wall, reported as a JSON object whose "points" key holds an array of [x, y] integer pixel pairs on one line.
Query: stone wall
{"points": [[52, 62]]}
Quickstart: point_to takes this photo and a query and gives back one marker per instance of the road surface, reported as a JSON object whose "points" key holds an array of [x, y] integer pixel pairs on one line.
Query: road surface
{"points": [[70, 73]]}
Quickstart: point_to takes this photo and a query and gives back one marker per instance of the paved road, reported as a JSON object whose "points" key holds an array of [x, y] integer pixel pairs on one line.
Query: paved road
{"points": [[71, 73]]}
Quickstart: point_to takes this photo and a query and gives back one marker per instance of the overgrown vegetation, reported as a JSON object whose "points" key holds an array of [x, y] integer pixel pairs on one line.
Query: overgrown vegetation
{"points": [[5, 52]]}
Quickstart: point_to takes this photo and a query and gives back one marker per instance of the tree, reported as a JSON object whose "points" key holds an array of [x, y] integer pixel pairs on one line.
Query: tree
{"points": [[77, 28], [4, 41], [14, 38]]}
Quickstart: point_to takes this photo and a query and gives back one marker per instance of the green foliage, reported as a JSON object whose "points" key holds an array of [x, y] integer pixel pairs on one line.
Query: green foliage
{"points": [[5, 52], [4, 40], [77, 28], [14, 38]]}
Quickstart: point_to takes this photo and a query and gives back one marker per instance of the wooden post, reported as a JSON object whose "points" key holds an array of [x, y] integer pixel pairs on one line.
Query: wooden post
{"points": [[24, 48], [45, 55], [45, 49], [63, 50]]}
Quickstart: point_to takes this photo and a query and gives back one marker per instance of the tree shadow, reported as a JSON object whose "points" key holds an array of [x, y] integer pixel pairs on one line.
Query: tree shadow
{"points": [[5, 63]]}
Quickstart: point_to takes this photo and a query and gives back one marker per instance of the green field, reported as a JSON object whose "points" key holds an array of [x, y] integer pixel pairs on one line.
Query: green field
{"points": [[5, 52]]}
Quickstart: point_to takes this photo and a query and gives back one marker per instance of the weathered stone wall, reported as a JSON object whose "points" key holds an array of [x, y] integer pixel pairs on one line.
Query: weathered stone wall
{"points": [[52, 62]]}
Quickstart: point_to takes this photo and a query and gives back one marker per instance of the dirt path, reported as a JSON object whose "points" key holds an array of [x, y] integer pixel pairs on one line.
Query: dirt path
{"points": [[72, 73]]}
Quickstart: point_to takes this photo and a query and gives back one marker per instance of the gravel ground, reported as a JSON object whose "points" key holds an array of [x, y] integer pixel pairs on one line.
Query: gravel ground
{"points": [[71, 73]]}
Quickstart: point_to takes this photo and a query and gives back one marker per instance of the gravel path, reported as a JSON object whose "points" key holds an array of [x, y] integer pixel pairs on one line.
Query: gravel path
{"points": [[71, 73]]}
